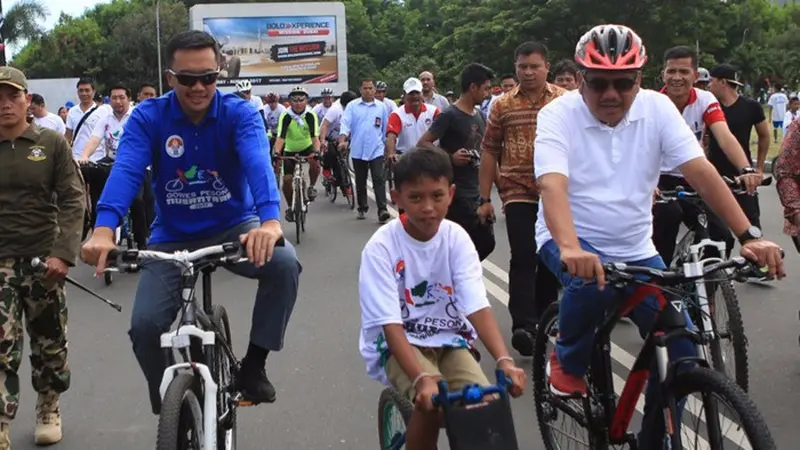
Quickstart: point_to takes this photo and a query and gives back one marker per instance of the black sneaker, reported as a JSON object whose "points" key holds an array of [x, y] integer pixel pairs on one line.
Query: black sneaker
{"points": [[522, 341], [289, 215], [384, 216], [255, 386], [312, 193]]}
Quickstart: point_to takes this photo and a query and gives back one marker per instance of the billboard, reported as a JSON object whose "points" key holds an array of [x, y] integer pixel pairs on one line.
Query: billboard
{"points": [[278, 45]]}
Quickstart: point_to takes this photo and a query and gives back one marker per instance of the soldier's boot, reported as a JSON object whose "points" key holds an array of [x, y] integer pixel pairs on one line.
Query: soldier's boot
{"points": [[5, 434], [48, 420]]}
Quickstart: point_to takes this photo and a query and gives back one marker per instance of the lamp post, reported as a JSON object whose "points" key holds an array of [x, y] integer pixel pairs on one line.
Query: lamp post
{"points": [[158, 45]]}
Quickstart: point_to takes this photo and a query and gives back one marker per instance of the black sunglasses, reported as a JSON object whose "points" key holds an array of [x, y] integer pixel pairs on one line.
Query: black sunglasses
{"points": [[600, 85], [190, 79]]}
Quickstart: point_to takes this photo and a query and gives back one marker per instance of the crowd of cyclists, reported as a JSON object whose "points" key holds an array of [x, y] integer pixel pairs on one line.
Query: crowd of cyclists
{"points": [[555, 151]]}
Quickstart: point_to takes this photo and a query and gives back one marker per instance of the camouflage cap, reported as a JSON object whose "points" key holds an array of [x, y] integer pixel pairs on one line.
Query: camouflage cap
{"points": [[13, 77]]}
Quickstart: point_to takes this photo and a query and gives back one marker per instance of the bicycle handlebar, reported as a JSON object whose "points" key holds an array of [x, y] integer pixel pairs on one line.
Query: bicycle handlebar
{"points": [[681, 192], [300, 159], [471, 394], [228, 252], [616, 272]]}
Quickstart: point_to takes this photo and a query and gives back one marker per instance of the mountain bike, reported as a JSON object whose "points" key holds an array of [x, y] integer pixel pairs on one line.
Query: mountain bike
{"points": [[199, 397], [717, 319], [606, 417], [300, 183], [471, 422]]}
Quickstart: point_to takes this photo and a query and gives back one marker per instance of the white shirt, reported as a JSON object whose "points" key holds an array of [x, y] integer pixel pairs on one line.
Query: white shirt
{"points": [[74, 117], [109, 129], [257, 102], [701, 111], [612, 171], [320, 110], [788, 119], [334, 118], [778, 101], [428, 287], [409, 128], [52, 122], [272, 116], [391, 106]]}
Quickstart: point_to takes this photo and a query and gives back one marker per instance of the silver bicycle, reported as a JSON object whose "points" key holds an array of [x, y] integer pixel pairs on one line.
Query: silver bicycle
{"points": [[300, 184]]}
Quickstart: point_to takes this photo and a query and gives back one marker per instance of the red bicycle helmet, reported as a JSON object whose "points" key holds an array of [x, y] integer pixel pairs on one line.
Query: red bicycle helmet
{"points": [[611, 47]]}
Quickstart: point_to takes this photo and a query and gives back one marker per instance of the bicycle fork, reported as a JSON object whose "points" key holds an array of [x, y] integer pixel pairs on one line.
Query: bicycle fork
{"points": [[695, 268]]}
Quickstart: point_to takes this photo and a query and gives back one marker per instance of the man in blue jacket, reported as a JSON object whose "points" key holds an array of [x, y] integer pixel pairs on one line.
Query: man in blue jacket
{"points": [[213, 183]]}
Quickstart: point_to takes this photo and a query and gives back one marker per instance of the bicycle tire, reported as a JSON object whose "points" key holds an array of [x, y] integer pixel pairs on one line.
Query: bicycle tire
{"points": [[219, 318], [108, 278], [391, 398], [180, 403], [752, 423], [736, 330], [348, 185], [298, 210], [541, 391]]}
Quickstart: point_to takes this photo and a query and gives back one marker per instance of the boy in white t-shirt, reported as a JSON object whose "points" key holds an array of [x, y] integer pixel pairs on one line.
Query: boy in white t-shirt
{"points": [[423, 298]]}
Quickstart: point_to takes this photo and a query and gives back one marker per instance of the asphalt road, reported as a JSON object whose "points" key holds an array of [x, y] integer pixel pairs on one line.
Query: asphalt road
{"points": [[325, 400]]}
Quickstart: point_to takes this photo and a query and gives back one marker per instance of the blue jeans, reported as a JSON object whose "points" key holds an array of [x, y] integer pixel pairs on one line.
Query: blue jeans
{"points": [[158, 301], [582, 310]]}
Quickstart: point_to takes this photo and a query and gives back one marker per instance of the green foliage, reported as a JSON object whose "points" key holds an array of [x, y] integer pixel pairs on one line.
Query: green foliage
{"points": [[392, 39]]}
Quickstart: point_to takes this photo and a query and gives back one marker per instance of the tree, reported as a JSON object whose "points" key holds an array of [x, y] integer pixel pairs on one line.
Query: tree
{"points": [[22, 22]]}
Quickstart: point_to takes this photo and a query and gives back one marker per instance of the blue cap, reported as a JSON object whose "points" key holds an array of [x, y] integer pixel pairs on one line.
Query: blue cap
{"points": [[69, 104], [106, 99]]}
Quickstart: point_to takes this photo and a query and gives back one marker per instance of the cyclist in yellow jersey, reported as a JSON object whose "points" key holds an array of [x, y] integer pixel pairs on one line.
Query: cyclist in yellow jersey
{"points": [[298, 135]]}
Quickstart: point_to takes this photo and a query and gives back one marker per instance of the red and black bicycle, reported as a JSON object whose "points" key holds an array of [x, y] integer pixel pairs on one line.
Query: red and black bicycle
{"points": [[600, 419]]}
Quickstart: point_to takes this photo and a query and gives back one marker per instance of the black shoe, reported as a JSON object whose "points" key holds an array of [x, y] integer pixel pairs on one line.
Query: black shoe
{"points": [[255, 386], [384, 216], [361, 215], [289, 215], [522, 341]]}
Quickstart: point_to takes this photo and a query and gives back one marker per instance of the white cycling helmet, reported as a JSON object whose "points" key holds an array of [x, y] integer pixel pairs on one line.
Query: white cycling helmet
{"points": [[327, 92], [704, 77], [243, 86]]}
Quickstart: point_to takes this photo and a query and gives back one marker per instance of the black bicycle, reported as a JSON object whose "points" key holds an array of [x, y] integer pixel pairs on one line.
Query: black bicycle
{"points": [[388, 171], [719, 319], [606, 417], [346, 186], [199, 396]]}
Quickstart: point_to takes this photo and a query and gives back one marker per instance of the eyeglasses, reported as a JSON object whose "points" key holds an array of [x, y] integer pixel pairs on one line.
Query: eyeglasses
{"points": [[190, 79], [600, 85]]}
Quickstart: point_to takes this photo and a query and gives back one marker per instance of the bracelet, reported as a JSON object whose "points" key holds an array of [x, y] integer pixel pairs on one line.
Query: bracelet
{"points": [[419, 377], [504, 358]]}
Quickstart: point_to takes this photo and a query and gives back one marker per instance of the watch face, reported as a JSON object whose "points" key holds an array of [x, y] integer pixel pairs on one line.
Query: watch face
{"points": [[755, 232]]}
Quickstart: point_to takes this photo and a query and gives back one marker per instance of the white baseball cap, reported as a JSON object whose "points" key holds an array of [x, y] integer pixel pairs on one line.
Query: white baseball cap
{"points": [[412, 85]]}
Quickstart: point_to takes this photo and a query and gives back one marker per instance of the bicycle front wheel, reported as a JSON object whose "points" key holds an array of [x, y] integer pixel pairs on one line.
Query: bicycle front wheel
{"points": [[729, 350], [180, 425], [394, 413], [298, 210], [731, 418]]}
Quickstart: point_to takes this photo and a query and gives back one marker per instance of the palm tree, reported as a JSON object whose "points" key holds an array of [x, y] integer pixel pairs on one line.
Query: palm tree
{"points": [[22, 23]]}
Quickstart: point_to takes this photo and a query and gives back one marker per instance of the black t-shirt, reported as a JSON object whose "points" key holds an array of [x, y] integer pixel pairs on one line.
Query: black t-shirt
{"points": [[741, 116], [456, 130]]}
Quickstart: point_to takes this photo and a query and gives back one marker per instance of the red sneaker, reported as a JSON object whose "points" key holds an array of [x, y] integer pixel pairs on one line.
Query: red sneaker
{"points": [[562, 383]]}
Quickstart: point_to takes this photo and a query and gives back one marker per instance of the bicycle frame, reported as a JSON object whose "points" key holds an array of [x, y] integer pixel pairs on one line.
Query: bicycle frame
{"points": [[180, 339]]}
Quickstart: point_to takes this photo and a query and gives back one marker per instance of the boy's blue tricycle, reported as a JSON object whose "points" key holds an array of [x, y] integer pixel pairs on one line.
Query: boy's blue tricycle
{"points": [[471, 423]]}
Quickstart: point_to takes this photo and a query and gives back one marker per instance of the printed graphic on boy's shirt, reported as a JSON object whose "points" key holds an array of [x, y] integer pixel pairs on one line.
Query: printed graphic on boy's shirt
{"points": [[206, 188], [382, 347]]}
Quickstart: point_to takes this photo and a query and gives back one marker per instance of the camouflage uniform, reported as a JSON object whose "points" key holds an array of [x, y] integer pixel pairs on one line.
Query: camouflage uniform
{"points": [[45, 309], [42, 205]]}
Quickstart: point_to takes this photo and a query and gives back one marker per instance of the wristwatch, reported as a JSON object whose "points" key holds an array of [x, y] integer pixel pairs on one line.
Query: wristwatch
{"points": [[747, 170], [752, 234], [484, 201]]}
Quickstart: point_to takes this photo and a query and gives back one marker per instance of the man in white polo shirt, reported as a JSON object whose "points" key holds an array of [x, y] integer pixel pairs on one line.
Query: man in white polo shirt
{"points": [[43, 117], [599, 151], [408, 123]]}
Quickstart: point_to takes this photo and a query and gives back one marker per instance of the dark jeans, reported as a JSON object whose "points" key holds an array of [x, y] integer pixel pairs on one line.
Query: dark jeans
{"points": [[330, 161], [375, 167], [531, 286], [465, 213], [157, 302]]}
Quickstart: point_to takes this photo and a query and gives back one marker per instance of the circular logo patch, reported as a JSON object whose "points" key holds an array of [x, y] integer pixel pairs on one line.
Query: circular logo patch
{"points": [[174, 146]]}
